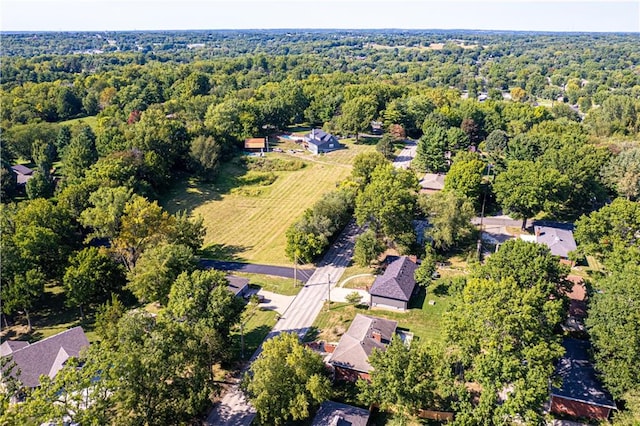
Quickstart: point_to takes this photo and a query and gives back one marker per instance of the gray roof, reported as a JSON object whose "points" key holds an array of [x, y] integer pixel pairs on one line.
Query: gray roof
{"points": [[397, 282], [10, 346], [23, 173], [320, 137], [357, 343], [47, 356], [579, 381], [337, 414], [432, 181], [560, 241], [236, 284]]}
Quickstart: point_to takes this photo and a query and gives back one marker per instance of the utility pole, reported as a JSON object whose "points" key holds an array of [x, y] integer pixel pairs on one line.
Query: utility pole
{"points": [[295, 270], [484, 200], [328, 291], [242, 340]]}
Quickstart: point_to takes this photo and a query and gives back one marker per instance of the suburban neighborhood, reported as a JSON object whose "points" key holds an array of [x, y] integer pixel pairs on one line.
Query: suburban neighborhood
{"points": [[320, 227]]}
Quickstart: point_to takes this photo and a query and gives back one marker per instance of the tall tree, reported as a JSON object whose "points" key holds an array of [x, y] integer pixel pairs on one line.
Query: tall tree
{"points": [[80, 153], [527, 188], [623, 173], [450, 216], [286, 381], [388, 204], [465, 176], [357, 114]]}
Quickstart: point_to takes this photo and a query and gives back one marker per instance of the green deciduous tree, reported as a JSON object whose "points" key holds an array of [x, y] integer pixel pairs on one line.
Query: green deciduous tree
{"points": [[364, 164], [286, 381], [157, 268], [80, 153], [357, 114], [614, 326], [205, 153], [450, 216], [502, 337], [388, 204], [527, 188], [465, 176], [405, 379], [623, 173], [427, 267], [367, 249], [92, 276], [108, 208]]}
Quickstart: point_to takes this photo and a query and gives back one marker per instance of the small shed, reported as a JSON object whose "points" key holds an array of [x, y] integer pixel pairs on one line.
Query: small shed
{"points": [[256, 145], [432, 182], [396, 286]]}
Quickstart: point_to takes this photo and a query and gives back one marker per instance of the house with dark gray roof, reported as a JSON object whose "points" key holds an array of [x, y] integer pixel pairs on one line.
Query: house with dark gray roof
{"points": [[581, 394], [319, 141], [560, 241], [45, 357], [239, 286], [337, 414], [350, 358], [23, 174], [396, 286]]}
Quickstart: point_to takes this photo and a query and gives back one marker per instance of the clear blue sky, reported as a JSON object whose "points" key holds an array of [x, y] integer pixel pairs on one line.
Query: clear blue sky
{"points": [[110, 15]]}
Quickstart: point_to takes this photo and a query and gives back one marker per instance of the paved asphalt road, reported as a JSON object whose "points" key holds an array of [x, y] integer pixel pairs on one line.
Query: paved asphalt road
{"points": [[279, 271], [234, 409]]}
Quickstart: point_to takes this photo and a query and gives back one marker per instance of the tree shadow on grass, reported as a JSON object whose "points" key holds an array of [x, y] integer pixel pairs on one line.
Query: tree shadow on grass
{"points": [[223, 252], [252, 340], [417, 301]]}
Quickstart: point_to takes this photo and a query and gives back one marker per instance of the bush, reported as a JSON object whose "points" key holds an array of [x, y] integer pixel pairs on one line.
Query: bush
{"points": [[354, 298]]}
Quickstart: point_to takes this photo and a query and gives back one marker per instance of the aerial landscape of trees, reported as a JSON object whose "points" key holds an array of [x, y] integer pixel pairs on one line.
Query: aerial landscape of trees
{"points": [[538, 126]]}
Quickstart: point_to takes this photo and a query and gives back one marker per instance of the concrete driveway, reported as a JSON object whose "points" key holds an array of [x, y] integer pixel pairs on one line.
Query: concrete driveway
{"points": [[339, 294], [274, 301]]}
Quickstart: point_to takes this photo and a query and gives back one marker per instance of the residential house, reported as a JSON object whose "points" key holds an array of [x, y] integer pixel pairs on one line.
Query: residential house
{"points": [[431, 183], [581, 394], [318, 141], [394, 288], [44, 357], [376, 127], [23, 174], [350, 358], [337, 414], [239, 286], [256, 145], [559, 239]]}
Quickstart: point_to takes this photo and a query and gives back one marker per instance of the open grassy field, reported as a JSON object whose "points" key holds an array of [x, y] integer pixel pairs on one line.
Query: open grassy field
{"points": [[90, 121], [246, 217], [422, 319]]}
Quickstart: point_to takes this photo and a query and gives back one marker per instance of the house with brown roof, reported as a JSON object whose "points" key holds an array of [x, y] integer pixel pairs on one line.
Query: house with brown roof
{"points": [[44, 357], [431, 183], [581, 395], [256, 145], [350, 359], [396, 286]]}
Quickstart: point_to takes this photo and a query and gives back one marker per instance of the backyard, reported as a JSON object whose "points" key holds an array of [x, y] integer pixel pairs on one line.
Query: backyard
{"points": [[247, 213]]}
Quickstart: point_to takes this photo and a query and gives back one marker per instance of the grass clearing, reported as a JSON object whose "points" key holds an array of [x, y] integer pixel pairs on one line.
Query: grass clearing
{"points": [[91, 121], [422, 319], [245, 218], [271, 283], [256, 327]]}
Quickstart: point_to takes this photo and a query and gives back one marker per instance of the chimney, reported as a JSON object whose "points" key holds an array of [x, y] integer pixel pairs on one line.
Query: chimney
{"points": [[413, 258], [375, 334]]}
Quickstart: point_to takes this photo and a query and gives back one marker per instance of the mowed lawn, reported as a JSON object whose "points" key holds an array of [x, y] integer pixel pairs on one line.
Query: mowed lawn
{"points": [[247, 221]]}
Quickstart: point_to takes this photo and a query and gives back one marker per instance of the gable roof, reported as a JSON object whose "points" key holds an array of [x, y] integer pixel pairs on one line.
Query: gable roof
{"points": [[432, 181], [560, 241], [397, 282], [320, 137], [357, 343], [254, 143], [47, 356], [22, 170], [579, 381], [337, 414]]}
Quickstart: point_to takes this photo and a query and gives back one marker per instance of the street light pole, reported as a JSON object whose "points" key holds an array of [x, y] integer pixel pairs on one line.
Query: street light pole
{"points": [[328, 290], [484, 200]]}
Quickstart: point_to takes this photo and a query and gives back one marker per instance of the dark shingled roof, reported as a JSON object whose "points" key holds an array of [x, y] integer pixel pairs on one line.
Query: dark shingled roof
{"points": [[337, 414], [236, 284], [321, 138], [10, 346], [357, 343], [560, 241], [579, 381], [397, 282], [23, 170], [47, 356]]}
